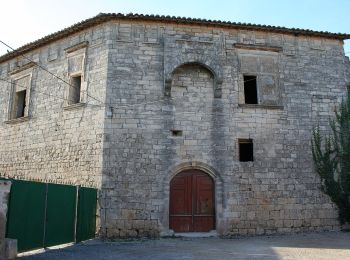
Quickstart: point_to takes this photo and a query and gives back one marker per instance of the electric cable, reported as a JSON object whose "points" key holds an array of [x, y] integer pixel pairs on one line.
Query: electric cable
{"points": [[64, 81], [44, 93], [41, 67]]}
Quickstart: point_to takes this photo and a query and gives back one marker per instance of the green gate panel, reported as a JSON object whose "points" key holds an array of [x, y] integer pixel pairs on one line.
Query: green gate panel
{"points": [[60, 214], [26, 214], [86, 220]]}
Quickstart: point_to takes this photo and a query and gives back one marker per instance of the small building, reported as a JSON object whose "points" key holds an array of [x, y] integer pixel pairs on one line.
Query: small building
{"points": [[183, 124]]}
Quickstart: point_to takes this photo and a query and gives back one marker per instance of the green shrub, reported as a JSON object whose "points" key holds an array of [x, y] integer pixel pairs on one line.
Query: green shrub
{"points": [[331, 155]]}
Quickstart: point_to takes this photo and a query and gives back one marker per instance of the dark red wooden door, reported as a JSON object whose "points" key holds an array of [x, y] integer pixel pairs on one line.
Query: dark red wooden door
{"points": [[192, 202]]}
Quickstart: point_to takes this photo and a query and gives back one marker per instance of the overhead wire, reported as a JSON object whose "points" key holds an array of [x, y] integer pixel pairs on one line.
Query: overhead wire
{"points": [[121, 106], [156, 101], [58, 109], [44, 93], [171, 113], [124, 106], [43, 68], [200, 111]]}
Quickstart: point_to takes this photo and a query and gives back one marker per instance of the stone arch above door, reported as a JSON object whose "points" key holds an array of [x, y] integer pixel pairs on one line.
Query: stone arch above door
{"points": [[197, 166], [173, 170]]}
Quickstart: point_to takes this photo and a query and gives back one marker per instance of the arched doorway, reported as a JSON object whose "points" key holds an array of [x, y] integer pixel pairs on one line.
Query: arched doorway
{"points": [[192, 204]]}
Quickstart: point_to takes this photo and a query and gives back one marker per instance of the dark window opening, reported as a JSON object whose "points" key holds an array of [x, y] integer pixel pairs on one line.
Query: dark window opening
{"points": [[20, 103], [250, 90], [245, 150], [74, 90], [176, 132]]}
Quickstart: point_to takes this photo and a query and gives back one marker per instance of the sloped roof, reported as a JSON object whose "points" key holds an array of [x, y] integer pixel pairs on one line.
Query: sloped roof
{"points": [[105, 17]]}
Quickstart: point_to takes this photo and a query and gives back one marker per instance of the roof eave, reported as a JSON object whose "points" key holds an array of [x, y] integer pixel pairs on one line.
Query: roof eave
{"points": [[105, 17]]}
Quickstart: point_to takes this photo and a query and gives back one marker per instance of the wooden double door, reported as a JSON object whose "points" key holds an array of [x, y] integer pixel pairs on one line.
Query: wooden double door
{"points": [[192, 206]]}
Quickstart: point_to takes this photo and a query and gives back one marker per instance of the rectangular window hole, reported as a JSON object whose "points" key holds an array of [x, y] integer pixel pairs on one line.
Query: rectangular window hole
{"points": [[20, 103], [176, 132], [250, 90], [245, 150], [74, 90]]}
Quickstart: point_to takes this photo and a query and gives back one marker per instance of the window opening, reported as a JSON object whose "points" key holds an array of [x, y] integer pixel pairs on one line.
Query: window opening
{"points": [[74, 90], [250, 90], [176, 132], [245, 150], [20, 103]]}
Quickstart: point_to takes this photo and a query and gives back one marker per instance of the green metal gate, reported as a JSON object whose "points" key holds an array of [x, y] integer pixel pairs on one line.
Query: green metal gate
{"points": [[60, 214], [42, 214], [26, 214], [86, 220]]}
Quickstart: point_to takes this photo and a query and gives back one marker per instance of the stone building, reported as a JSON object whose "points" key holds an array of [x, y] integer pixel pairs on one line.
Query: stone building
{"points": [[183, 124]]}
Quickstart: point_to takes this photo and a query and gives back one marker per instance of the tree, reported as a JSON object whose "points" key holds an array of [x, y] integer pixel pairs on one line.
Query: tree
{"points": [[331, 155]]}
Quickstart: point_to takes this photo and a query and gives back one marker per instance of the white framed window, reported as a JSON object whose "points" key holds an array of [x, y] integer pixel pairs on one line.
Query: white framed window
{"points": [[20, 96], [76, 91]]}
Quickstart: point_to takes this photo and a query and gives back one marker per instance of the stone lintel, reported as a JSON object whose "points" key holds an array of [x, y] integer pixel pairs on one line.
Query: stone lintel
{"points": [[257, 47], [261, 106], [76, 47], [22, 68]]}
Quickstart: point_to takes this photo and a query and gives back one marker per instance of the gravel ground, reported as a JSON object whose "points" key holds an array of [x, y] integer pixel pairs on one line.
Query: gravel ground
{"points": [[330, 245]]}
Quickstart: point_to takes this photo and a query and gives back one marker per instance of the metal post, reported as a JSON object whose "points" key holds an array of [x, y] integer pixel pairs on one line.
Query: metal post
{"points": [[76, 213], [45, 214]]}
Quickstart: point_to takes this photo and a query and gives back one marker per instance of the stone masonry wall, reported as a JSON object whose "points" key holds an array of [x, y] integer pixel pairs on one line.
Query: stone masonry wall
{"points": [[140, 81], [57, 142], [190, 78]]}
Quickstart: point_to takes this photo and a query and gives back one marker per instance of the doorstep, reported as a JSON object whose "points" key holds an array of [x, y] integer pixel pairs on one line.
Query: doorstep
{"points": [[212, 233]]}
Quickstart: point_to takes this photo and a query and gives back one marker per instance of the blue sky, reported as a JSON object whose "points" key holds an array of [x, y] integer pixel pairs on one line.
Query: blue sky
{"points": [[23, 21]]}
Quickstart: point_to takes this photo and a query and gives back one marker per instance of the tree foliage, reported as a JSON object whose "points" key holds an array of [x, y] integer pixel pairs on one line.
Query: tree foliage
{"points": [[331, 155]]}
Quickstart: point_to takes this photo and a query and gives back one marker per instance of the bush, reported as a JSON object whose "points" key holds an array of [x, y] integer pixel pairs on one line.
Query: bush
{"points": [[331, 155]]}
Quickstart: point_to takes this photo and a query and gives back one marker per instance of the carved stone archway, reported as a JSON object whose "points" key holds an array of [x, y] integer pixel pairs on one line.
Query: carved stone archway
{"points": [[195, 165], [216, 75], [178, 52]]}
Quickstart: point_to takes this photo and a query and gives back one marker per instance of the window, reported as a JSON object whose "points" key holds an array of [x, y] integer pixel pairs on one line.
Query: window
{"points": [[19, 104], [176, 132], [250, 90], [20, 97], [245, 150], [74, 90]]}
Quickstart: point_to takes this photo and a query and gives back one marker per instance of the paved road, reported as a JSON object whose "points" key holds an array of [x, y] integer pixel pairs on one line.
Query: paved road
{"points": [[331, 245]]}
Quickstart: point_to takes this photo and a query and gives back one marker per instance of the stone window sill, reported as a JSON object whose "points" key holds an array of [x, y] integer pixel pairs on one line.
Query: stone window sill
{"points": [[261, 106], [247, 163], [74, 106], [124, 41], [17, 120], [151, 43]]}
